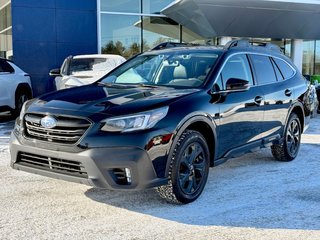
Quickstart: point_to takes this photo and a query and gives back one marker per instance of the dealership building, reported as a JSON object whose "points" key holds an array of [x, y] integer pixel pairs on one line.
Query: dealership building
{"points": [[38, 35]]}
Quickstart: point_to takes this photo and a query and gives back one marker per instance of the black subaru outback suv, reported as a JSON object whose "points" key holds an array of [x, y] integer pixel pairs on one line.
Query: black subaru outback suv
{"points": [[164, 117]]}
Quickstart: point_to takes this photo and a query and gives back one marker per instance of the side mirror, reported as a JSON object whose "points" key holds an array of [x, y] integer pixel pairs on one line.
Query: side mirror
{"points": [[236, 84], [55, 72]]}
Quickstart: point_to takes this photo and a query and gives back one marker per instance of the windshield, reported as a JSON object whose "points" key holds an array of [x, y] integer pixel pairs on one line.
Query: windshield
{"points": [[187, 69], [93, 64]]}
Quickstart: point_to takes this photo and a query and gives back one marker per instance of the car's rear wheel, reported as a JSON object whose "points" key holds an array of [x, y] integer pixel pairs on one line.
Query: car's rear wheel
{"points": [[288, 150], [189, 169], [20, 99]]}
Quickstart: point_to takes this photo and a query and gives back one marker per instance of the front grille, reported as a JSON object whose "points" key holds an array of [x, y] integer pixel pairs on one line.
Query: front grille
{"points": [[68, 130], [73, 168]]}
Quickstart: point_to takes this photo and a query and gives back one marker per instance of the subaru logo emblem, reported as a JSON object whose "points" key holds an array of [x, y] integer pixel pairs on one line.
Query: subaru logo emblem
{"points": [[48, 122]]}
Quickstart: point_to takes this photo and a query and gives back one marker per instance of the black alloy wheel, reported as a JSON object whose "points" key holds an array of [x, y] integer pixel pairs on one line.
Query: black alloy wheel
{"points": [[192, 168], [189, 169], [289, 149], [293, 138]]}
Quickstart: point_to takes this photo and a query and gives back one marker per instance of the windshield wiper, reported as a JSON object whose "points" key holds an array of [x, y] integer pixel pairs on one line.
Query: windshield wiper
{"points": [[114, 85], [146, 85], [143, 85]]}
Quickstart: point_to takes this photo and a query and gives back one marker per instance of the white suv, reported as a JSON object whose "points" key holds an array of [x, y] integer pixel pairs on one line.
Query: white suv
{"points": [[15, 87], [84, 69]]}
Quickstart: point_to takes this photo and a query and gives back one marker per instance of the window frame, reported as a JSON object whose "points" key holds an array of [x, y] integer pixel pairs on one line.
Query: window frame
{"points": [[225, 61], [275, 68]]}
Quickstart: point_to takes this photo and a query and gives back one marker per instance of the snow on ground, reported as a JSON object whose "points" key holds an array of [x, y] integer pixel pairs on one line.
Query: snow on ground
{"points": [[6, 126], [251, 197]]}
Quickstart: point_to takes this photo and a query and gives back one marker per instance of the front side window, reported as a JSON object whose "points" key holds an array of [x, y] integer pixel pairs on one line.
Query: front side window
{"points": [[264, 70], [182, 69], [236, 67]]}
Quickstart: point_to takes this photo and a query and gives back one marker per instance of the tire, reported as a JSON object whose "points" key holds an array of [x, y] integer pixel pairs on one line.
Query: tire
{"points": [[189, 169], [20, 98], [289, 149]]}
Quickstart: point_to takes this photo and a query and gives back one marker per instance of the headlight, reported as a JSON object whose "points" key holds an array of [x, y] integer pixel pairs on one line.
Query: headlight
{"points": [[17, 126], [134, 122], [23, 110]]}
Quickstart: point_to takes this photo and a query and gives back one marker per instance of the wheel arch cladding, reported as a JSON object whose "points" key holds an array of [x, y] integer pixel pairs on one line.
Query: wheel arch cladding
{"points": [[298, 110], [202, 124], [207, 133]]}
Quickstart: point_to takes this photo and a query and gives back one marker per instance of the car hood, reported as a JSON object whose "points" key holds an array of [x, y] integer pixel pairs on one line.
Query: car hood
{"points": [[111, 100]]}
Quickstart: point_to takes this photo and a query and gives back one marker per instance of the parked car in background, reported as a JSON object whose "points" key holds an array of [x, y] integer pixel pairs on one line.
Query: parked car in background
{"points": [[84, 69], [313, 96], [164, 117], [318, 96], [313, 100], [15, 87]]}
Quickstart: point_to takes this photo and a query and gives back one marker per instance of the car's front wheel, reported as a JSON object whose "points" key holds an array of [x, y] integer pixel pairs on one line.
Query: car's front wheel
{"points": [[288, 150], [189, 169]]}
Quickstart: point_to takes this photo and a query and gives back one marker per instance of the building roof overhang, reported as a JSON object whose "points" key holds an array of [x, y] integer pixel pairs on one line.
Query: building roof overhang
{"points": [[248, 18]]}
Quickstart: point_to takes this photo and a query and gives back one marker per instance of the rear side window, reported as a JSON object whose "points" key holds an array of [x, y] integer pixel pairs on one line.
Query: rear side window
{"points": [[264, 70], [237, 67], [5, 67], [286, 70]]}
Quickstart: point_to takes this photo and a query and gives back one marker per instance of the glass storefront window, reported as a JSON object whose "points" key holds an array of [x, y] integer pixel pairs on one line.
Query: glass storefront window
{"points": [[157, 30], [120, 35], [5, 17], [5, 31], [190, 37], [308, 58], [287, 47], [317, 58], [126, 6], [154, 6]]}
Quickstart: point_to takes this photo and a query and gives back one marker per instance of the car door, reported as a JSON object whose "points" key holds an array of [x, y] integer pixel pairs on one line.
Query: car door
{"points": [[278, 94], [241, 113], [7, 84]]}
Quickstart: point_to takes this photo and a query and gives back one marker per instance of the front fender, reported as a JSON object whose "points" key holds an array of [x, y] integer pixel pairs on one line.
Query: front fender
{"points": [[186, 122]]}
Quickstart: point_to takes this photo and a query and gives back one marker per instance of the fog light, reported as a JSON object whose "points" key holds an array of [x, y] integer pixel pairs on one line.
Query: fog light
{"points": [[128, 174]]}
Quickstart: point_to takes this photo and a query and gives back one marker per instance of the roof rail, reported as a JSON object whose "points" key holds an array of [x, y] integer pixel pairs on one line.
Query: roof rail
{"points": [[247, 43], [273, 47], [237, 43], [172, 45]]}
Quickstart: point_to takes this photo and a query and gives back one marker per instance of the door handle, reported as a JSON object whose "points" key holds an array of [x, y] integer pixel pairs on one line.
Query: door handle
{"points": [[258, 100], [288, 92]]}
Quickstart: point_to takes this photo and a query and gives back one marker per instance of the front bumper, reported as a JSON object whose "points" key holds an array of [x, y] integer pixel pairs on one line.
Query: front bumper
{"points": [[98, 163]]}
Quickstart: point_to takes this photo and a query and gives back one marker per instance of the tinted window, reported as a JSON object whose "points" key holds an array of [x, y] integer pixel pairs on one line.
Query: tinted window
{"points": [[5, 67], [264, 70], [285, 69], [237, 67]]}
